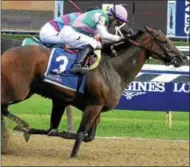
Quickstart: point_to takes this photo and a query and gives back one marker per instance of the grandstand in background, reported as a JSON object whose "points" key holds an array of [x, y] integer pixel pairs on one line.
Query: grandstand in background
{"points": [[31, 15]]}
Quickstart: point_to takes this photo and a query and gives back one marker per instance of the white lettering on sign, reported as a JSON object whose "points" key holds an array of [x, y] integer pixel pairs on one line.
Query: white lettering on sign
{"points": [[187, 17], [137, 88], [182, 87], [147, 86]]}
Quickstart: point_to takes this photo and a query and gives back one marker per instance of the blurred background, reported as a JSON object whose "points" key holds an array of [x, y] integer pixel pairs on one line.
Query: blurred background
{"points": [[31, 15]]}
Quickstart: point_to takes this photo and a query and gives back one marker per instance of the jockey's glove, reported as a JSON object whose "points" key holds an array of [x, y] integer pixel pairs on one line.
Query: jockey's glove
{"points": [[122, 38]]}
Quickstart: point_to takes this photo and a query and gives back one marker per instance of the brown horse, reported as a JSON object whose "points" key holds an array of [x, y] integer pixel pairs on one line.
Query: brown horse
{"points": [[7, 43], [23, 69]]}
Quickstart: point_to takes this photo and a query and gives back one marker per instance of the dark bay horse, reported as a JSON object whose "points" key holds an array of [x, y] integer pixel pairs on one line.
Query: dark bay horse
{"points": [[23, 69]]}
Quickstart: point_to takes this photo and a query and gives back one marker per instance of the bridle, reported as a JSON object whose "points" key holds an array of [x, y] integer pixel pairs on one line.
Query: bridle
{"points": [[165, 57]]}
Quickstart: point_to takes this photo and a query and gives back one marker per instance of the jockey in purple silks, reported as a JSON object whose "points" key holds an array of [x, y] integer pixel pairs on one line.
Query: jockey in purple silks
{"points": [[80, 32]]}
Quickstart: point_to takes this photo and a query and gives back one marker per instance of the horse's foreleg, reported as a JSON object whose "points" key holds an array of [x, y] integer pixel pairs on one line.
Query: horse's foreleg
{"points": [[92, 130], [90, 114], [56, 115]]}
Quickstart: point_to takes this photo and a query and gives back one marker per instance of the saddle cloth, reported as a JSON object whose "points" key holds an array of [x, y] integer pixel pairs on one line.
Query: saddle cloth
{"points": [[58, 71]]}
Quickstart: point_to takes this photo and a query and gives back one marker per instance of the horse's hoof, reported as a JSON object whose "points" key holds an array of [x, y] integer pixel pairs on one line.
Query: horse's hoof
{"points": [[26, 136], [53, 132]]}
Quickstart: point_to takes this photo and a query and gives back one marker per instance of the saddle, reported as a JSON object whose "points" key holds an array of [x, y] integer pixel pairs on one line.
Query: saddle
{"points": [[92, 61]]}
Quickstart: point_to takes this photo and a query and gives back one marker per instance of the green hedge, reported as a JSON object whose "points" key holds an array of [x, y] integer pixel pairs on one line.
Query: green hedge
{"points": [[17, 36]]}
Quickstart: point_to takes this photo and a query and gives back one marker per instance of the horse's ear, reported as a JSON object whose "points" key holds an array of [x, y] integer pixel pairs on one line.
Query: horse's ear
{"points": [[147, 28]]}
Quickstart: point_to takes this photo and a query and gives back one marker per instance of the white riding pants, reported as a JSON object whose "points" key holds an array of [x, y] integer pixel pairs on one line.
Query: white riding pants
{"points": [[67, 36]]}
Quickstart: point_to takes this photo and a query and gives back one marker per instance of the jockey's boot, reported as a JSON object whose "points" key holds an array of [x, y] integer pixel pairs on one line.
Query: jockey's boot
{"points": [[83, 54]]}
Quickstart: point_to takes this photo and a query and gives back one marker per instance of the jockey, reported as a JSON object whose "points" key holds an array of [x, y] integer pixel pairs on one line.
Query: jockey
{"points": [[93, 22], [81, 31], [50, 32]]}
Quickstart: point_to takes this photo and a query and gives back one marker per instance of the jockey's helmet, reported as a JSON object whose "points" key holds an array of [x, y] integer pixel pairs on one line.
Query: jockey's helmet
{"points": [[119, 12]]}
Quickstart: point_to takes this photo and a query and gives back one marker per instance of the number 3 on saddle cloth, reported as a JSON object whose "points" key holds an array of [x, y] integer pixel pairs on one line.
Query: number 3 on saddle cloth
{"points": [[58, 71]]}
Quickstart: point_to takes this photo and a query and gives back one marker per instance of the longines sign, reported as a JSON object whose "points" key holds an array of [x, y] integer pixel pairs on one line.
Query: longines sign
{"points": [[172, 95], [157, 87], [156, 96]]}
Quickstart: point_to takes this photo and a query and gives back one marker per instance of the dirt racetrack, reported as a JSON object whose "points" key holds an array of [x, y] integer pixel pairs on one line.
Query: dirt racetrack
{"points": [[52, 151]]}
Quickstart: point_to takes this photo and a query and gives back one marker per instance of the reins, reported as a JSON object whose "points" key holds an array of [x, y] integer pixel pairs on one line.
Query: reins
{"points": [[112, 47]]}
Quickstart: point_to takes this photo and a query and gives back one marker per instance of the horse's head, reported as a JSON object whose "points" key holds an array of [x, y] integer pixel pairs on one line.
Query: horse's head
{"points": [[162, 48]]}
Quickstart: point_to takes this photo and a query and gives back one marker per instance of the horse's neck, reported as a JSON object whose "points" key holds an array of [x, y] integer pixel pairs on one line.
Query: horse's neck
{"points": [[128, 64]]}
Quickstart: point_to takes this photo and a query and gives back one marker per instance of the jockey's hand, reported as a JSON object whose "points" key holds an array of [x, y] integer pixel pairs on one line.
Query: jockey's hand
{"points": [[122, 38], [98, 38], [125, 38]]}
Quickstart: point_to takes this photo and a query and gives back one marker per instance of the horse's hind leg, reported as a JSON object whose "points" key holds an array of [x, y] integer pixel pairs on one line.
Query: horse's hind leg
{"points": [[14, 118], [21, 125], [90, 114]]}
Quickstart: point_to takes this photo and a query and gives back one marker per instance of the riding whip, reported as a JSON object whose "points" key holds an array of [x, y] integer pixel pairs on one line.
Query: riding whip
{"points": [[133, 18], [76, 6]]}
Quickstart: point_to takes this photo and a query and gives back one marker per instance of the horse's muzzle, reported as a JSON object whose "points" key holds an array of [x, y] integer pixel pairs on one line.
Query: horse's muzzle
{"points": [[179, 61]]}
